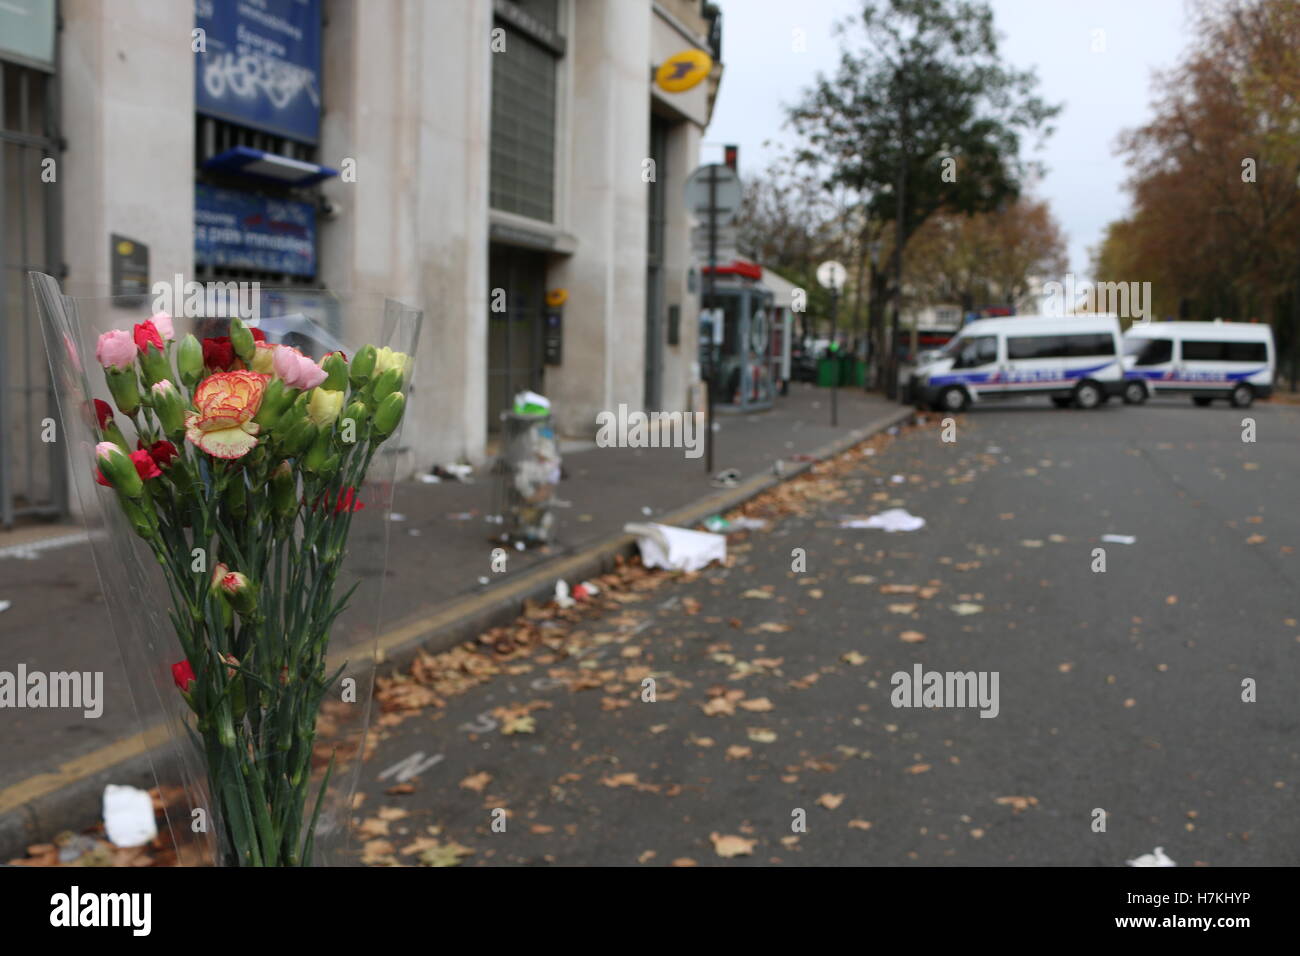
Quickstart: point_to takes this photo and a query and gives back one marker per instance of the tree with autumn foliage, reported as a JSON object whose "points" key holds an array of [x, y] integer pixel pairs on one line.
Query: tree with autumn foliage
{"points": [[985, 258], [921, 115], [1215, 175], [790, 221]]}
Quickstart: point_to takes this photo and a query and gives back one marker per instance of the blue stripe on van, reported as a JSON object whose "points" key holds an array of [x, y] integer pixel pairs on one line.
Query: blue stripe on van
{"points": [[1209, 378], [996, 378]]}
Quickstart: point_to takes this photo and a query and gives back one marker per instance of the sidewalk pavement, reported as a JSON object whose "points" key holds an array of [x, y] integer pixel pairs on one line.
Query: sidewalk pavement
{"points": [[55, 762]]}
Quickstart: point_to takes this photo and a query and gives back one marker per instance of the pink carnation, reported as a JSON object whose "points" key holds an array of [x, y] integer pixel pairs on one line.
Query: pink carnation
{"points": [[163, 323], [297, 370], [116, 349], [106, 448]]}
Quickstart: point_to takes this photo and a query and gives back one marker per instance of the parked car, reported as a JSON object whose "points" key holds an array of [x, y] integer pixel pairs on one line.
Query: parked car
{"points": [[804, 356]]}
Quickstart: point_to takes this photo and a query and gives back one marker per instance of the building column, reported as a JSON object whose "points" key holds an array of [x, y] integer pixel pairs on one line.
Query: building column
{"points": [[606, 209], [127, 91], [413, 224]]}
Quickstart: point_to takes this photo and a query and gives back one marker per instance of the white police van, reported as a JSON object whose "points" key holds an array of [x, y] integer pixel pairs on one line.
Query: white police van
{"points": [[1076, 360], [1206, 360]]}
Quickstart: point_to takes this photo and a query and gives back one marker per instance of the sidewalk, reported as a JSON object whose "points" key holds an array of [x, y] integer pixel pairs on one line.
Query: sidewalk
{"points": [[439, 550]]}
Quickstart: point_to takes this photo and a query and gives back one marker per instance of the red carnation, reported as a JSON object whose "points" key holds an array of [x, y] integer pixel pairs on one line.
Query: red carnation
{"points": [[162, 452], [146, 334], [183, 675], [145, 466], [258, 335], [103, 412], [100, 479], [219, 354]]}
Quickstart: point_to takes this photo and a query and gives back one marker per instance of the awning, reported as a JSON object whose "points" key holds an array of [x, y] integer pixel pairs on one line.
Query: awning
{"points": [[268, 167]]}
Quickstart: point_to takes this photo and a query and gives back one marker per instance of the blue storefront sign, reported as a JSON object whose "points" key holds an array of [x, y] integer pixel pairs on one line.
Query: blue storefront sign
{"points": [[239, 230], [261, 66]]}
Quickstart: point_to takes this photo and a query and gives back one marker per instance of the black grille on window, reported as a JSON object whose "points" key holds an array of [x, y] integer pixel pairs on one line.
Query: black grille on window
{"points": [[523, 128]]}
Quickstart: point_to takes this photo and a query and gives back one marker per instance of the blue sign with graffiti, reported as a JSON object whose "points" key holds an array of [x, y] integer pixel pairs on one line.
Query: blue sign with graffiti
{"points": [[239, 230], [260, 65]]}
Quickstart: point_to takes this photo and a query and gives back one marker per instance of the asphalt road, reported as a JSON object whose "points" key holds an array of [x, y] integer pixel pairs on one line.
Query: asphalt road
{"points": [[58, 620], [1119, 692]]}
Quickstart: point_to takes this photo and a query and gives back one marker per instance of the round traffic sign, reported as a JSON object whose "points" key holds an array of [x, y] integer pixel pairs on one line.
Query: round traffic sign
{"points": [[831, 275], [726, 192]]}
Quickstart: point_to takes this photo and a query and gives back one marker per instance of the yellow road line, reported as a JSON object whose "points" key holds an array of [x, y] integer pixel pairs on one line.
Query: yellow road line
{"points": [[78, 768]]}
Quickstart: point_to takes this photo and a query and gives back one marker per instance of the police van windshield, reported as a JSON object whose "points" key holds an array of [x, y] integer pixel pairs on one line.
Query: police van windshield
{"points": [[1146, 351], [952, 347]]}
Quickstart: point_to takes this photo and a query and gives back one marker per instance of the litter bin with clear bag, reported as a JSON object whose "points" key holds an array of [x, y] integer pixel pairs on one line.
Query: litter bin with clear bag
{"points": [[528, 472]]}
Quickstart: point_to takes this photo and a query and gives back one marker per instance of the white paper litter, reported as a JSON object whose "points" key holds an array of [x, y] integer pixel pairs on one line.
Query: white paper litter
{"points": [[6, 605], [895, 519], [1120, 538], [397, 516], [896, 479], [1156, 858], [748, 524], [430, 479], [677, 549], [128, 816], [562, 597]]}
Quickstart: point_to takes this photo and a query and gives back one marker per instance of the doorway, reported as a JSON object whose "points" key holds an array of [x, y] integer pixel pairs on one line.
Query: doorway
{"points": [[516, 298], [33, 477]]}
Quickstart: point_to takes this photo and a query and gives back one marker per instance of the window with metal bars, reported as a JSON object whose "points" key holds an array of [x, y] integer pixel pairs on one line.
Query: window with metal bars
{"points": [[215, 136], [522, 163]]}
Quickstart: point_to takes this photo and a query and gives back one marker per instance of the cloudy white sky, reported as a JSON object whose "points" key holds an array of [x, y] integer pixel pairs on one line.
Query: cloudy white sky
{"points": [[1103, 93]]}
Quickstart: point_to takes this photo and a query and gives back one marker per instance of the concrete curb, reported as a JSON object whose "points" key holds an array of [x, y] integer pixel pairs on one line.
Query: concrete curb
{"points": [[37, 808]]}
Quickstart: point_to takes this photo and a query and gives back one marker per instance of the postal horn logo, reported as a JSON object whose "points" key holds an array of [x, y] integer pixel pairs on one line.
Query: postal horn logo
{"points": [[681, 71]]}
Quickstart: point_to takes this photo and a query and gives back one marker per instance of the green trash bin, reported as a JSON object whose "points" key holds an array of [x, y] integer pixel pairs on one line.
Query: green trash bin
{"points": [[827, 371], [855, 373]]}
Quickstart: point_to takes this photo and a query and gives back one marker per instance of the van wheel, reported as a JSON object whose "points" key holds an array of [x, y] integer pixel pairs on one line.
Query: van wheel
{"points": [[1087, 395], [1201, 400], [1242, 396], [1061, 401], [1135, 393], [953, 399]]}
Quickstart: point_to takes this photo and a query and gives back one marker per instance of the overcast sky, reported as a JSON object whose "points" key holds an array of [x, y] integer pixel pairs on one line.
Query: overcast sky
{"points": [[1103, 93]]}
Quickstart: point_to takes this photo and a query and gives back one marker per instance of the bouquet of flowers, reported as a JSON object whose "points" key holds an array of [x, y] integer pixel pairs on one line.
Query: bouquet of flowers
{"points": [[243, 480]]}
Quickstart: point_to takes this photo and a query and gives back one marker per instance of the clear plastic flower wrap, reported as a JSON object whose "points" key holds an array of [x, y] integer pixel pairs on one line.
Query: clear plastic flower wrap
{"points": [[234, 461]]}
